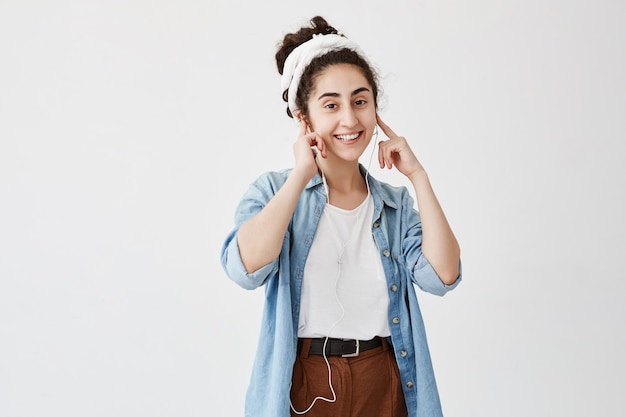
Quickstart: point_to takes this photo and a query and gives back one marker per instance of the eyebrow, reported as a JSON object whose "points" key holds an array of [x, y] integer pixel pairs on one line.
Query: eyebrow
{"points": [[354, 93]]}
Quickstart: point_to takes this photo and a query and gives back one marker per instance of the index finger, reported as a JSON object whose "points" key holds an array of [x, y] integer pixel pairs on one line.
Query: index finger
{"points": [[386, 129], [302, 128]]}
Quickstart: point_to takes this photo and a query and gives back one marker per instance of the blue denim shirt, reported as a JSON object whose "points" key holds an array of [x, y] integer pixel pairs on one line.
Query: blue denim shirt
{"points": [[397, 231]]}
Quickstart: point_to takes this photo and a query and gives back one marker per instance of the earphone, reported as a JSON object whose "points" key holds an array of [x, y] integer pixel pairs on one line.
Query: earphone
{"points": [[325, 186]]}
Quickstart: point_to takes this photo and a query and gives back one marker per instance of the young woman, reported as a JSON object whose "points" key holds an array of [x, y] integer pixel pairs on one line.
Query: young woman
{"points": [[338, 251]]}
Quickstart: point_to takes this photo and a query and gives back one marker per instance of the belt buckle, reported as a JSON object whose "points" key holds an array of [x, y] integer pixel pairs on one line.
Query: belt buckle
{"points": [[355, 353]]}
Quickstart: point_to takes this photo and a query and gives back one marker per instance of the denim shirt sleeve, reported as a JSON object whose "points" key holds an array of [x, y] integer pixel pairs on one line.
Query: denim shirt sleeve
{"points": [[254, 200], [423, 274]]}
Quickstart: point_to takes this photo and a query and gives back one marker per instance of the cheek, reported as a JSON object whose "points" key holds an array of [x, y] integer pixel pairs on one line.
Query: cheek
{"points": [[318, 124], [369, 122]]}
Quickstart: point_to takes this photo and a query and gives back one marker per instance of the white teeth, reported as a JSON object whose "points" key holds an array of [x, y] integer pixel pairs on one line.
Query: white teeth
{"points": [[347, 137]]}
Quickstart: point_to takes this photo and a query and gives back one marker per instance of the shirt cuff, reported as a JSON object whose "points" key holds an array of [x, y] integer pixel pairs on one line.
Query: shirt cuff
{"points": [[427, 279], [237, 271]]}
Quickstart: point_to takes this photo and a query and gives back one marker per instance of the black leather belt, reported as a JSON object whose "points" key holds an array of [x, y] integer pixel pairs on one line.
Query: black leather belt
{"points": [[340, 347]]}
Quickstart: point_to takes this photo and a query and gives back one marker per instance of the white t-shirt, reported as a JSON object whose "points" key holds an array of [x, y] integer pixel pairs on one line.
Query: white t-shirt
{"points": [[344, 290]]}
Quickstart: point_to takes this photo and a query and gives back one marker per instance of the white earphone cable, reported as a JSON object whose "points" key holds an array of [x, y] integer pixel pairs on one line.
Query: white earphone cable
{"points": [[343, 310]]}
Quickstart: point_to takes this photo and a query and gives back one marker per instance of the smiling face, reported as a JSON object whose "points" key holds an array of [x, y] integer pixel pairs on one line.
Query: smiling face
{"points": [[342, 110]]}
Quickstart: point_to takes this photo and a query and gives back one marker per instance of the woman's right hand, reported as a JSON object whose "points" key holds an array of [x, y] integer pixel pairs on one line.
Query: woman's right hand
{"points": [[307, 147], [261, 237]]}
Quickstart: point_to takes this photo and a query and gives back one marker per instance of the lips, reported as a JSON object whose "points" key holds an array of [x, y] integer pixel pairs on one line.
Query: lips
{"points": [[348, 137]]}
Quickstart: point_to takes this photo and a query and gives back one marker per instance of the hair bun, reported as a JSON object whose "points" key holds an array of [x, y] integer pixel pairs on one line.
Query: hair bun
{"points": [[292, 40]]}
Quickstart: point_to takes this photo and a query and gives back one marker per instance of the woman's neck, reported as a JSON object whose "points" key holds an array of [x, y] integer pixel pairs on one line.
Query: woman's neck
{"points": [[346, 186]]}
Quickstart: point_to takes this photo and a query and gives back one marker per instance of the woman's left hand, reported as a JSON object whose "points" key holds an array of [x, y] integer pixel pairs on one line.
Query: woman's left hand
{"points": [[396, 152], [439, 245]]}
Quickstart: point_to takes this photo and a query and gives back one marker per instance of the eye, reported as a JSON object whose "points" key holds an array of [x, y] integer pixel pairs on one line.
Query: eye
{"points": [[360, 102], [330, 106]]}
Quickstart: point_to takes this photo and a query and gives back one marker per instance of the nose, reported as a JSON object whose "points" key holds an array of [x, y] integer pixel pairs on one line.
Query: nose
{"points": [[348, 117]]}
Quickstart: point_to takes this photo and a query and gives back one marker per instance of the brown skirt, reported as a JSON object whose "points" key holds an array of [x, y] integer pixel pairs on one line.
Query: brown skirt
{"points": [[365, 386]]}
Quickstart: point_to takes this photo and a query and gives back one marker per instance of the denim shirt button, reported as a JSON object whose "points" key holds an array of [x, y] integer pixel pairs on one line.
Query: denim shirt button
{"points": [[394, 288], [376, 224], [409, 384], [395, 320], [386, 254]]}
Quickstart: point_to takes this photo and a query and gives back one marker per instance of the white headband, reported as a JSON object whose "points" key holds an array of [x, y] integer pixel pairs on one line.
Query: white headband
{"points": [[301, 57]]}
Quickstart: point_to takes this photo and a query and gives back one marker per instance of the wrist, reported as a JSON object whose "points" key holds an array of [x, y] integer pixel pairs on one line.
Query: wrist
{"points": [[418, 175], [300, 176]]}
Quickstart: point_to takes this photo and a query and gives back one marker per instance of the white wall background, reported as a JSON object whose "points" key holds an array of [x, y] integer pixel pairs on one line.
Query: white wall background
{"points": [[129, 130]]}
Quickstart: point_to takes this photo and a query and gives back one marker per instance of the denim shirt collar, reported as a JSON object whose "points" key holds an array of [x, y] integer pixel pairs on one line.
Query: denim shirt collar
{"points": [[381, 195]]}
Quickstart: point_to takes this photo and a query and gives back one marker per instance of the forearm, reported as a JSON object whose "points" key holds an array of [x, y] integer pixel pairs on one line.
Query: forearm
{"points": [[260, 238], [439, 245]]}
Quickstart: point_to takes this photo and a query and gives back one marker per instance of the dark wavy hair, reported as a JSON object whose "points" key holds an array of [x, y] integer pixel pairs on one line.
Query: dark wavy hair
{"points": [[319, 25]]}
